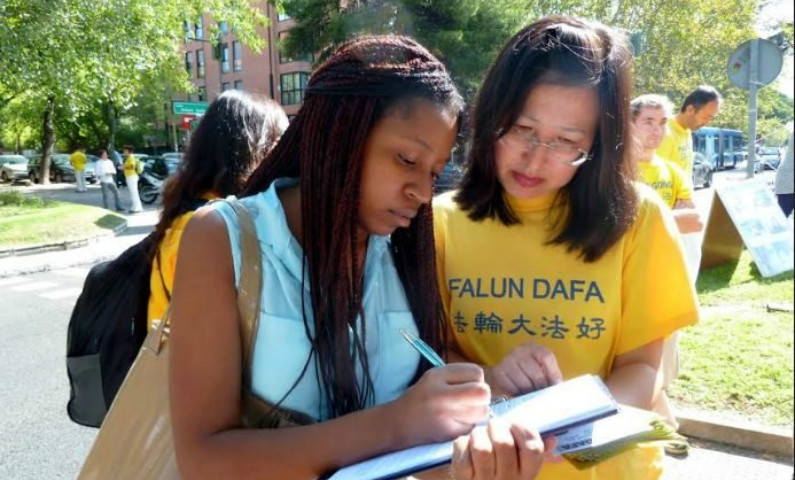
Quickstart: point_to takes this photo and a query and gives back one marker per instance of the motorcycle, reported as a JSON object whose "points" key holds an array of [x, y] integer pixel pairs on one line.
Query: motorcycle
{"points": [[150, 186]]}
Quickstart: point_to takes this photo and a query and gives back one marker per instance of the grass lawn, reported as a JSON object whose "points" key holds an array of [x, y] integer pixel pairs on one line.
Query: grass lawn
{"points": [[30, 220], [739, 359]]}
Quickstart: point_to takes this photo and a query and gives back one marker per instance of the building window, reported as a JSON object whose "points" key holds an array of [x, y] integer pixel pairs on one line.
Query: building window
{"points": [[223, 27], [225, 57], [199, 29], [292, 87], [304, 57], [282, 17], [239, 85], [225, 86], [237, 55], [202, 94], [189, 62], [188, 30], [200, 68]]}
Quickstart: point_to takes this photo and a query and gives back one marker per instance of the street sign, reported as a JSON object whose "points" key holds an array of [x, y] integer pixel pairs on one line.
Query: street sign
{"points": [[186, 121], [754, 64], [189, 108], [769, 64]]}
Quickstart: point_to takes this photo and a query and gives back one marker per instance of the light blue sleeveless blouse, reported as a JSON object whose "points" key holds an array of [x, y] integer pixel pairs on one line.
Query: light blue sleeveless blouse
{"points": [[282, 346]]}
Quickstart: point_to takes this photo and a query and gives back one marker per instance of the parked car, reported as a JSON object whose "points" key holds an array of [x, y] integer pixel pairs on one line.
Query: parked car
{"points": [[702, 170], [165, 165], [60, 169], [769, 158], [91, 162], [174, 156], [13, 168], [449, 178]]}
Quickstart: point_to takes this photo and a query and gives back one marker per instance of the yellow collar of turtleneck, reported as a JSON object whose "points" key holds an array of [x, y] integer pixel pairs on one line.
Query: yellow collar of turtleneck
{"points": [[535, 204]]}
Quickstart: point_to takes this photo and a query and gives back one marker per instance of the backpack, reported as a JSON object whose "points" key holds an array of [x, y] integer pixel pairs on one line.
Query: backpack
{"points": [[107, 328]]}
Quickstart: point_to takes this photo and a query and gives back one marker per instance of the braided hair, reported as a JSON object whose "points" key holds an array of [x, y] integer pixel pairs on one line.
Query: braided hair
{"points": [[324, 146]]}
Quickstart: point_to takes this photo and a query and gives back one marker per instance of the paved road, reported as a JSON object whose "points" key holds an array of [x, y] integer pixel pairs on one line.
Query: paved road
{"points": [[37, 439]]}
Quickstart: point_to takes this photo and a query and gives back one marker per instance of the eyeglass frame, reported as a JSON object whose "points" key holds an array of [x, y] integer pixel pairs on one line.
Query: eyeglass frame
{"points": [[576, 162]]}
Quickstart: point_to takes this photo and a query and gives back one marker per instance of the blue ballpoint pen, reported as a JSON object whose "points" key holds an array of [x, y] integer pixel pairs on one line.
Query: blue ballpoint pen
{"points": [[428, 353]]}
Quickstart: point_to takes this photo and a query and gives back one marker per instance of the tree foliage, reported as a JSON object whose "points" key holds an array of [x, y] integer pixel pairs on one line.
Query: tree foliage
{"points": [[684, 43], [465, 34], [77, 56]]}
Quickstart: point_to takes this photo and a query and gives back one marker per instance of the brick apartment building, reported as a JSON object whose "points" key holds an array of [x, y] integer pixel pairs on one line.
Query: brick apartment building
{"points": [[268, 73]]}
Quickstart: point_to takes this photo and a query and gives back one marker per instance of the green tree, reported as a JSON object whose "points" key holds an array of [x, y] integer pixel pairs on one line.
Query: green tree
{"points": [[465, 34], [75, 54], [684, 43]]}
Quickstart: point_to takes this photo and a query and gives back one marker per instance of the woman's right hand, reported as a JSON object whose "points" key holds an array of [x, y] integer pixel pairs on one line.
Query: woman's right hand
{"points": [[526, 368], [499, 451], [445, 403]]}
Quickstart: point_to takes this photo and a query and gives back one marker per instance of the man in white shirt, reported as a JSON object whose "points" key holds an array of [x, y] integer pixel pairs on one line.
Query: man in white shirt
{"points": [[106, 173]]}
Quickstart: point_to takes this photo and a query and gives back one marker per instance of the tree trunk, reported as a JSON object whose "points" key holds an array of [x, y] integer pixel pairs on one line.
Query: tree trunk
{"points": [[112, 128], [47, 140]]}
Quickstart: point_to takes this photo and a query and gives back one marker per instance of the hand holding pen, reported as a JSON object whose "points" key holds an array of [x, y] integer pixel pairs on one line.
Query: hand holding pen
{"points": [[444, 403], [429, 354]]}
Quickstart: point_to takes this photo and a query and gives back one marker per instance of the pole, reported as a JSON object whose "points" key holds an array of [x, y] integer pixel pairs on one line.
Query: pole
{"points": [[752, 84], [174, 132]]}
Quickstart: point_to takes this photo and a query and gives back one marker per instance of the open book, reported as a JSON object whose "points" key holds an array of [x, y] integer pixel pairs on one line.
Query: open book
{"points": [[555, 409]]}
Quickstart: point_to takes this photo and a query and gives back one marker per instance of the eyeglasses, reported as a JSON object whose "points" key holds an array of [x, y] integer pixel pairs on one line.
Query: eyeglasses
{"points": [[519, 138]]}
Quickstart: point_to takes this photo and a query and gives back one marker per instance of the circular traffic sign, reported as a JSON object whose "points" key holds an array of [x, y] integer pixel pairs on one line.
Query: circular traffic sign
{"points": [[769, 63]]}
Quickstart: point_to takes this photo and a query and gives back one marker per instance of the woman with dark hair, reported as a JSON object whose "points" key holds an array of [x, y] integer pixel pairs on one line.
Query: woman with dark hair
{"points": [[552, 261], [342, 214], [232, 138]]}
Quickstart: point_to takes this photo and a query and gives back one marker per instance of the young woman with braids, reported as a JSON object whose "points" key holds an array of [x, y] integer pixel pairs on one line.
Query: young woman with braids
{"points": [[232, 138], [341, 208]]}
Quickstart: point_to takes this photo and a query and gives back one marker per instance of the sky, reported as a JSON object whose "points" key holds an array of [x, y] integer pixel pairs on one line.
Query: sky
{"points": [[773, 13]]}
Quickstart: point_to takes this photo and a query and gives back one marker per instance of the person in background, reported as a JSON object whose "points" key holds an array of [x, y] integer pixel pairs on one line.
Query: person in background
{"points": [[698, 110], [78, 160], [785, 179], [342, 214], [650, 114], [105, 171], [131, 170], [549, 252], [232, 138]]}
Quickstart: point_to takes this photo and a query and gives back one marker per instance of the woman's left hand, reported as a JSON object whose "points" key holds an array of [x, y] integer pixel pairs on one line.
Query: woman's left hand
{"points": [[499, 451]]}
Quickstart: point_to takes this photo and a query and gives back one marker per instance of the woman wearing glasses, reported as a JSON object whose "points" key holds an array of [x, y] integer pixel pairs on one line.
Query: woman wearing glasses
{"points": [[552, 262]]}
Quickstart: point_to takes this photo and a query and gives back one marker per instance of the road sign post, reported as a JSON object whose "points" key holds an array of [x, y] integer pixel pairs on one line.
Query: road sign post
{"points": [[754, 64]]}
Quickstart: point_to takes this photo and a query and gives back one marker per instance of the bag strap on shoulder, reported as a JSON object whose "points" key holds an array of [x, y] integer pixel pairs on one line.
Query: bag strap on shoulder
{"points": [[249, 291]]}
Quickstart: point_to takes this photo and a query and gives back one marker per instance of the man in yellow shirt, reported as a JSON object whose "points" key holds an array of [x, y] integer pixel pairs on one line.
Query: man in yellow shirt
{"points": [[650, 114], [698, 109], [78, 160]]}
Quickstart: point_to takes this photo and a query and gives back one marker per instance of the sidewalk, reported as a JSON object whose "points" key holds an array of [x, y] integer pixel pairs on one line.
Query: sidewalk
{"points": [[98, 249]]}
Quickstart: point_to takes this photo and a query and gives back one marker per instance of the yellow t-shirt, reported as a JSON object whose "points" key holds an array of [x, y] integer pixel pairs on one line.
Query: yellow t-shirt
{"points": [[677, 146], [78, 160], [503, 286], [666, 179], [158, 299], [130, 166]]}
